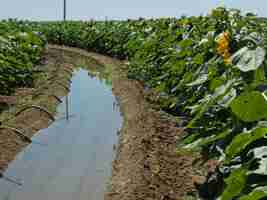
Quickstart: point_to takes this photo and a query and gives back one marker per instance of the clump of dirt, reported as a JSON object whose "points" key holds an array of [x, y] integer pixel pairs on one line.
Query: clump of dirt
{"points": [[147, 165]]}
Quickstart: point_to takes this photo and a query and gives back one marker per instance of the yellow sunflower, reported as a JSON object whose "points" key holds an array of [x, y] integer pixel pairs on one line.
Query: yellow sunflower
{"points": [[223, 47]]}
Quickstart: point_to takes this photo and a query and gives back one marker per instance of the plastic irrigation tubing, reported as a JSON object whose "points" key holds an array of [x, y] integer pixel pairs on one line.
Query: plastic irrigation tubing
{"points": [[18, 132], [11, 180], [67, 71], [65, 79], [68, 81], [70, 68], [62, 85], [36, 107], [52, 95], [52, 77], [56, 76]]}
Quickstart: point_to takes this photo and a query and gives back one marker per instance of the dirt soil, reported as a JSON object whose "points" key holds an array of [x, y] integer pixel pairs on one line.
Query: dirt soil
{"points": [[147, 165]]}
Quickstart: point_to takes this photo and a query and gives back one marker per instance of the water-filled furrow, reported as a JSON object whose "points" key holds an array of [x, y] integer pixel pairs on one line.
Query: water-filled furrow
{"points": [[76, 163]]}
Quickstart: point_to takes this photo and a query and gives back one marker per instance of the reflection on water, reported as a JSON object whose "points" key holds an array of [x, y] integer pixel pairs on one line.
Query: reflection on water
{"points": [[76, 164], [101, 73]]}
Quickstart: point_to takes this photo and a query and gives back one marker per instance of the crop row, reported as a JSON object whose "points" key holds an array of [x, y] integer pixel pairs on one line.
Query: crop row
{"points": [[19, 51], [208, 70]]}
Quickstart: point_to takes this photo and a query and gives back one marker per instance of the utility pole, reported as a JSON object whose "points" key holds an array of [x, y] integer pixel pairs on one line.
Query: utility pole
{"points": [[64, 10]]}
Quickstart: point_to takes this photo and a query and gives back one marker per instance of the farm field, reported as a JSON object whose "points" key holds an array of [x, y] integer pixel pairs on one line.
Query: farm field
{"points": [[195, 87]]}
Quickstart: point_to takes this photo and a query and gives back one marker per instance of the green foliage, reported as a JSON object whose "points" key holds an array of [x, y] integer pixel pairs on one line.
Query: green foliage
{"points": [[249, 60], [210, 69], [255, 195], [19, 51], [250, 106], [180, 58], [242, 140], [235, 184]]}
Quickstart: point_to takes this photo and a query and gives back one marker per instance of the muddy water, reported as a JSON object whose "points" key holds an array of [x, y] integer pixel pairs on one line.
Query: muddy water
{"points": [[74, 162]]}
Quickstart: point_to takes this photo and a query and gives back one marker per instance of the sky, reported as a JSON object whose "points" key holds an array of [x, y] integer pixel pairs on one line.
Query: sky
{"points": [[120, 9]]}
